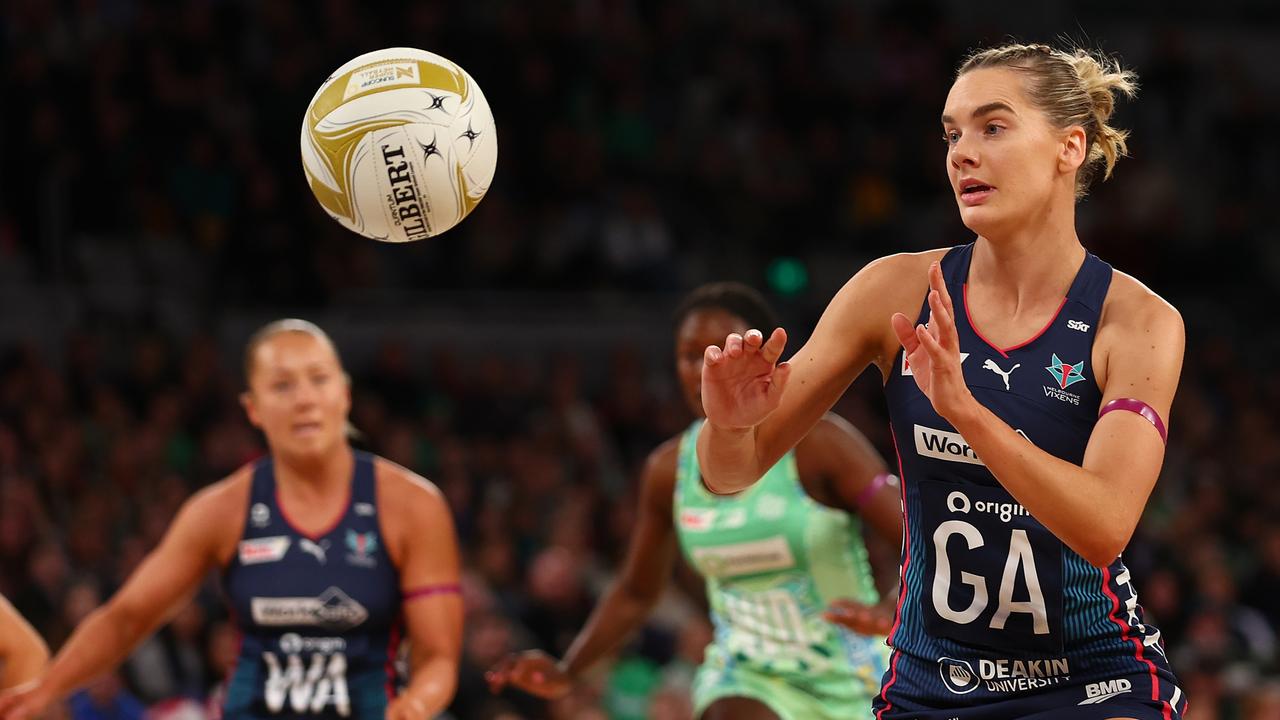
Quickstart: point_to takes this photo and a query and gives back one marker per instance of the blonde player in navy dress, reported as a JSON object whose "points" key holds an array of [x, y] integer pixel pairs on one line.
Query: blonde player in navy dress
{"points": [[329, 557], [1027, 400]]}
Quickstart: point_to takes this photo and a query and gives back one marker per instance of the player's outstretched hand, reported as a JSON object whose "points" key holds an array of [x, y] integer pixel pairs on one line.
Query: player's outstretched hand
{"points": [[860, 618], [743, 381], [26, 702], [534, 672], [933, 352]]}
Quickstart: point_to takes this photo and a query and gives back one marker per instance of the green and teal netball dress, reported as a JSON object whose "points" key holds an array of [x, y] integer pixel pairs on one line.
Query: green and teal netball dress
{"points": [[774, 559]]}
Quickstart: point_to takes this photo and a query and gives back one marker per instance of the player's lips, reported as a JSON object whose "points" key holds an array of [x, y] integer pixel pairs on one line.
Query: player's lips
{"points": [[306, 428], [975, 192]]}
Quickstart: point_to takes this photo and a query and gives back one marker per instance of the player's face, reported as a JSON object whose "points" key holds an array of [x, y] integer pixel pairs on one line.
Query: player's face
{"points": [[298, 394], [1004, 157], [702, 327]]}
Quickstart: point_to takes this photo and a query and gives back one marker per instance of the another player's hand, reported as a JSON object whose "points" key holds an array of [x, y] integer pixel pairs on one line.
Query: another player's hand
{"points": [[24, 703], [532, 671], [860, 618], [743, 382], [407, 707], [933, 352]]}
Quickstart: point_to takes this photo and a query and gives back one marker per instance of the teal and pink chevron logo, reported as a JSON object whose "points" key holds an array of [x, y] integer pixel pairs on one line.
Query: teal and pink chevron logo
{"points": [[1067, 374]]}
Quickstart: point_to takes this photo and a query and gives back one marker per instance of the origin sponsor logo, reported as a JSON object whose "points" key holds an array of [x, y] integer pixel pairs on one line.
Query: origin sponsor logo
{"points": [[333, 609], [263, 550], [959, 502], [293, 643], [1077, 325], [745, 558], [944, 445], [1099, 692]]}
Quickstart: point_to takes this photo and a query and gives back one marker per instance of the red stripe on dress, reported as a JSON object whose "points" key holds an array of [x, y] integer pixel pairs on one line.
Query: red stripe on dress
{"points": [[1004, 352], [902, 582], [1137, 644]]}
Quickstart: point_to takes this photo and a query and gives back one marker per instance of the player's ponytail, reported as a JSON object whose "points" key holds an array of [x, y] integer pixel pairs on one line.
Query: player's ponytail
{"points": [[1076, 88]]}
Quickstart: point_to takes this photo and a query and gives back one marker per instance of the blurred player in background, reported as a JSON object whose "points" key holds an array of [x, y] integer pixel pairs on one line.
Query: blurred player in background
{"points": [[22, 650], [325, 554], [775, 559], [1028, 413]]}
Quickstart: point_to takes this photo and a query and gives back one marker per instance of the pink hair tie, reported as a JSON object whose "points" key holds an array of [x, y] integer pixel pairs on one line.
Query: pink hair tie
{"points": [[876, 483], [428, 590], [1141, 408]]}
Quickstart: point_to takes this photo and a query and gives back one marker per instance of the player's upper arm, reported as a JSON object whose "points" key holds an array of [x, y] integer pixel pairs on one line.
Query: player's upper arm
{"points": [[424, 545], [1144, 340], [200, 537], [836, 450], [652, 550], [852, 333]]}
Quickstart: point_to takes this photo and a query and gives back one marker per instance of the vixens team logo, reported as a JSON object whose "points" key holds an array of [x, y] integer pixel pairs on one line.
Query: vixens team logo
{"points": [[362, 546], [1066, 374]]}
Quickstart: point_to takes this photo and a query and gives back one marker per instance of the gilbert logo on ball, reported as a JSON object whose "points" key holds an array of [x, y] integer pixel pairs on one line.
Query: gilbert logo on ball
{"points": [[399, 145]]}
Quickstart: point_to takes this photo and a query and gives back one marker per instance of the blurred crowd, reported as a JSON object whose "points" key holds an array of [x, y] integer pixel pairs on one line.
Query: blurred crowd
{"points": [[645, 147]]}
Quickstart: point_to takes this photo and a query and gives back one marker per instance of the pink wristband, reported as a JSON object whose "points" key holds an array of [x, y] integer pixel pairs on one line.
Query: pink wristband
{"points": [[876, 483], [428, 590], [1141, 408]]}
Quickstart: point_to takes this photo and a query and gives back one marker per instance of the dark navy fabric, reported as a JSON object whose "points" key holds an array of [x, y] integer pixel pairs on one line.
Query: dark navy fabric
{"points": [[319, 615], [997, 616]]}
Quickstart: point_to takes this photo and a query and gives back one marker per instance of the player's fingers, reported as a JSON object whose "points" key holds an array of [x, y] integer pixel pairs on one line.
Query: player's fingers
{"points": [[712, 356], [937, 355], [941, 287], [772, 349], [905, 331], [500, 674], [752, 339], [778, 382], [941, 321], [733, 346]]}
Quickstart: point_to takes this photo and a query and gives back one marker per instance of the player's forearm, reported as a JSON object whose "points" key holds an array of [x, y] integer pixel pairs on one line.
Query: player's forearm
{"points": [[727, 458], [23, 657], [102, 641], [1081, 508], [434, 683], [618, 615]]}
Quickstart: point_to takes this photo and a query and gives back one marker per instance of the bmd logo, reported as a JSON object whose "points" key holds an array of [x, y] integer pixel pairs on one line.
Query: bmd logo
{"points": [[1098, 692]]}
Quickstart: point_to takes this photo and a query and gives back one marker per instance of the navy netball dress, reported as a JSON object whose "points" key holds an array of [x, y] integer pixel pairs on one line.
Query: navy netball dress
{"points": [[998, 618], [319, 615]]}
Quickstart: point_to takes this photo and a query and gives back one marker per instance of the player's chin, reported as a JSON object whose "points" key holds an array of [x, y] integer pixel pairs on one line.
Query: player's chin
{"points": [[981, 219]]}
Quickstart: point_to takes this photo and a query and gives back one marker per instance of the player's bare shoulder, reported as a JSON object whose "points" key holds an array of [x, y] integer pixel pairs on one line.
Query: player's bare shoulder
{"points": [[399, 488], [658, 479], [216, 513], [1133, 307], [409, 508], [1135, 320], [890, 284]]}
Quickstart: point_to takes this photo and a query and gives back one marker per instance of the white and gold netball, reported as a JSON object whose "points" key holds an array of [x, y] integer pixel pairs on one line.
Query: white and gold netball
{"points": [[399, 145]]}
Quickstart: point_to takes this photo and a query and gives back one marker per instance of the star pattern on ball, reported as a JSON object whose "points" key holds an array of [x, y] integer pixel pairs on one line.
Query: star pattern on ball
{"points": [[470, 134], [437, 102], [429, 150]]}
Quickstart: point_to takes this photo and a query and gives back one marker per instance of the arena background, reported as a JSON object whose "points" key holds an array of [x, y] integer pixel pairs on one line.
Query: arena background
{"points": [[153, 212]]}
